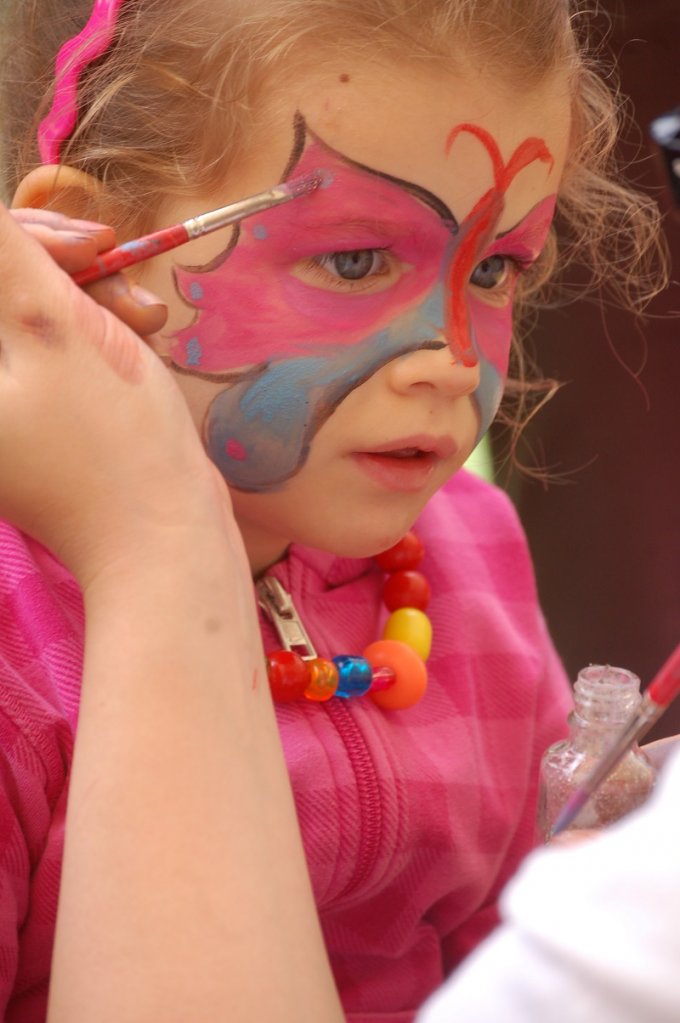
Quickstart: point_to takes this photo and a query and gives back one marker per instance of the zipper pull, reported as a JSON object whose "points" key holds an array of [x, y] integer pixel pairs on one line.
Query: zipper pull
{"points": [[278, 605]]}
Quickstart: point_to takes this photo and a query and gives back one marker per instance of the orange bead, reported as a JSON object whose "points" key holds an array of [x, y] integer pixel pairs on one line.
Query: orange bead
{"points": [[323, 680], [410, 671], [407, 553]]}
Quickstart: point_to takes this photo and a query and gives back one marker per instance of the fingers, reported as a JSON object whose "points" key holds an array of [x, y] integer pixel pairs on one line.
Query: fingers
{"points": [[142, 311], [105, 235], [574, 837], [73, 245]]}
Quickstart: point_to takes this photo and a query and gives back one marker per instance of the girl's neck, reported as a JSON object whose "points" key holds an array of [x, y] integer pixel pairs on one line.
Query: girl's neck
{"points": [[263, 550]]}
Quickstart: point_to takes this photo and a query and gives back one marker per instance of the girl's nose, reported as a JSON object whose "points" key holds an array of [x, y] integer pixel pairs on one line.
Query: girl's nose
{"points": [[433, 368]]}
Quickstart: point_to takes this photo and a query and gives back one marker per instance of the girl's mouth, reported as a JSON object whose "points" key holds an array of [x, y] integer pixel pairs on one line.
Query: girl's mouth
{"points": [[406, 470], [405, 453]]}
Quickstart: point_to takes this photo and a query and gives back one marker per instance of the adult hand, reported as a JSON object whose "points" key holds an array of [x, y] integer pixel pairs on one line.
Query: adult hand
{"points": [[574, 836], [74, 245], [98, 453]]}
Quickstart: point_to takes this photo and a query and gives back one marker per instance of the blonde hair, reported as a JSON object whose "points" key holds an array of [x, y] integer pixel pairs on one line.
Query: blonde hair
{"points": [[168, 109]]}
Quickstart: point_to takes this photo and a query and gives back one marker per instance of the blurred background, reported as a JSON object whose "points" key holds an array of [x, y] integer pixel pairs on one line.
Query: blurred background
{"points": [[605, 536]]}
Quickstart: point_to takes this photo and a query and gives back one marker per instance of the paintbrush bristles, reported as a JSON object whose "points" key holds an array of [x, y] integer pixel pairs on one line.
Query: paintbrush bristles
{"points": [[305, 184]]}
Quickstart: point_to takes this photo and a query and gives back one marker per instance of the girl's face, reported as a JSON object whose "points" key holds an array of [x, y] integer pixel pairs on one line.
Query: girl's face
{"points": [[344, 353]]}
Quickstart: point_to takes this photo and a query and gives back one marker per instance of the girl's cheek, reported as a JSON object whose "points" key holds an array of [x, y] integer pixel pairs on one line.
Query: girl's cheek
{"points": [[244, 316], [492, 332]]}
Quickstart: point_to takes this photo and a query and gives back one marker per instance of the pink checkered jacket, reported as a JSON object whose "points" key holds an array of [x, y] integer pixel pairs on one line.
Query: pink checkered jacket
{"points": [[412, 820]]}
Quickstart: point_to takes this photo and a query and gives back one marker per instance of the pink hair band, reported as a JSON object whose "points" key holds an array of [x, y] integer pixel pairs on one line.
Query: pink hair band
{"points": [[72, 58]]}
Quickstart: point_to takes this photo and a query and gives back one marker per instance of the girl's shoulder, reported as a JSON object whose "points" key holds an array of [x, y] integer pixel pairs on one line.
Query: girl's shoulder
{"points": [[41, 637], [477, 559], [470, 515], [485, 612], [40, 663], [467, 497]]}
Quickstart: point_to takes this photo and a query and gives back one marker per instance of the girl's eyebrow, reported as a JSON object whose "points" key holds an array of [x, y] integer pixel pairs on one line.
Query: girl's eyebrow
{"points": [[302, 130], [418, 192], [518, 228], [353, 224], [521, 223]]}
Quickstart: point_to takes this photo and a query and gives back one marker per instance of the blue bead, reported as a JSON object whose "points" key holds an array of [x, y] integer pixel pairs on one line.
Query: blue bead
{"points": [[355, 676]]}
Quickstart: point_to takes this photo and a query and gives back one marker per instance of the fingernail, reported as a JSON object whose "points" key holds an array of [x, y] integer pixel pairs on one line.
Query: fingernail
{"points": [[144, 298], [71, 238], [91, 226]]}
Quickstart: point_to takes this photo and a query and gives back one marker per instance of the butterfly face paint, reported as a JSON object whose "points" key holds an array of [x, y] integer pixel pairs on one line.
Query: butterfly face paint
{"points": [[291, 340], [490, 327]]}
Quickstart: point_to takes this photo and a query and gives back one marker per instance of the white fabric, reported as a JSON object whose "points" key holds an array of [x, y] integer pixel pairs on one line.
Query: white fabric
{"points": [[591, 932]]}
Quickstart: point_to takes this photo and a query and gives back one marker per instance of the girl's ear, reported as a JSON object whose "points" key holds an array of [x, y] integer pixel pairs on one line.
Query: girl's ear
{"points": [[60, 188]]}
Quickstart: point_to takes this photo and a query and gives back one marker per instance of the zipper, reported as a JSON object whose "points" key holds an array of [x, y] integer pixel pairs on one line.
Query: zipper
{"points": [[368, 791], [278, 606]]}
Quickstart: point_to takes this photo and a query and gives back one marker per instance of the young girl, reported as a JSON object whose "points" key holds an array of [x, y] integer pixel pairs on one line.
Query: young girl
{"points": [[340, 357]]}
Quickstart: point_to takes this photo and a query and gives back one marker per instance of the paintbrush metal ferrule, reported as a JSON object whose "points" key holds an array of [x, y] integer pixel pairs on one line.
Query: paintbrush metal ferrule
{"points": [[204, 223], [168, 238]]}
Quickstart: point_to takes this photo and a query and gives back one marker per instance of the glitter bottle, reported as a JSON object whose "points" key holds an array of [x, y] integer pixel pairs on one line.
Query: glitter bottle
{"points": [[605, 698]]}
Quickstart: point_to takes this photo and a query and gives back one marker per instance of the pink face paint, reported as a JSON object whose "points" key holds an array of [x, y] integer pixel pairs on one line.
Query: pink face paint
{"points": [[253, 308], [481, 223], [492, 325], [234, 449]]}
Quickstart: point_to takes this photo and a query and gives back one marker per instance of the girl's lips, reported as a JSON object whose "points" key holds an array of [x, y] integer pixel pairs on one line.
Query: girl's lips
{"points": [[441, 446], [406, 470]]}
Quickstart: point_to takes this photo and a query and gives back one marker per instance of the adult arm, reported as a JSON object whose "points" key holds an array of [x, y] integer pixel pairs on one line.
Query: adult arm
{"points": [[184, 892]]}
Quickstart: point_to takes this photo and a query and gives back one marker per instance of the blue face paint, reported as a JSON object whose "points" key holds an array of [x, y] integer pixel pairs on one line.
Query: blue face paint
{"points": [[194, 352], [272, 419]]}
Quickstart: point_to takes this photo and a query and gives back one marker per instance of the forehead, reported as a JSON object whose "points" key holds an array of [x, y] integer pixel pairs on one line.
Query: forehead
{"points": [[398, 121]]}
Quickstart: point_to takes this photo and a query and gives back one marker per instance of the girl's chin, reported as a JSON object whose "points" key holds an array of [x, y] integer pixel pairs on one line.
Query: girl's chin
{"points": [[352, 526], [362, 543]]}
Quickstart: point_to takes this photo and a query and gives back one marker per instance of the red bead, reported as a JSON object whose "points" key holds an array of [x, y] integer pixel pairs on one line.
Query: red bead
{"points": [[411, 674], [406, 588], [407, 553], [288, 675]]}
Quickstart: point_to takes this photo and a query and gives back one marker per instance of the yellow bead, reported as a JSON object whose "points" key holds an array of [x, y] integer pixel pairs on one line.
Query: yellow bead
{"points": [[410, 626]]}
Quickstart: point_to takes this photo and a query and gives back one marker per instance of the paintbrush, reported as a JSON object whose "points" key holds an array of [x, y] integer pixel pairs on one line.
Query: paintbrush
{"points": [[168, 238], [658, 696]]}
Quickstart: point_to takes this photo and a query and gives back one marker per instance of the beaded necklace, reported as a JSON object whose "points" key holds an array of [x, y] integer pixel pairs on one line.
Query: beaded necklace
{"points": [[391, 670]]}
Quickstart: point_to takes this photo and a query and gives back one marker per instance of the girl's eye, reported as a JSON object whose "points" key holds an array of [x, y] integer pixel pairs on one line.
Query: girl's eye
{"points": [[353, 266], [354, 270], [492, 272]]}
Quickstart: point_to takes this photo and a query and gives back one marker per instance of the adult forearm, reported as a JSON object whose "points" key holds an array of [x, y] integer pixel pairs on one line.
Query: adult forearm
{"points": [[185, 893]]}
